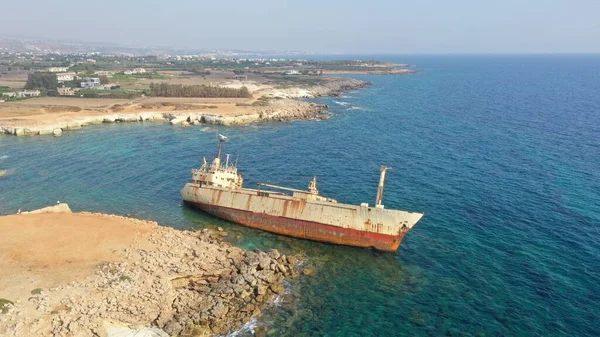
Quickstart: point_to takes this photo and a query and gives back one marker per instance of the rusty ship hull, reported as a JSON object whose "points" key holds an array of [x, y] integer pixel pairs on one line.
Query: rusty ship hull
{"points": [[324, 221]]}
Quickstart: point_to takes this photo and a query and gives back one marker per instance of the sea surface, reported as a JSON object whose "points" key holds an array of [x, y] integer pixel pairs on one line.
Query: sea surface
{"points": [[502, 153]]}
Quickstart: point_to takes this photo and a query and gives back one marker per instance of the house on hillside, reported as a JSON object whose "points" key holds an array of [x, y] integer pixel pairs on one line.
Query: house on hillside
{"points": [[106, 73], [139, 71], [58, 69], [66, 77], [65, 91], [90, 82], [292, 72]]}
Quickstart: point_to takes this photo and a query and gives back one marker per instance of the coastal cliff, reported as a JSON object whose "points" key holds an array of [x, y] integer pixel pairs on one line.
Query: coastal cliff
{"points": [[275, 104], [139, 275], [278, 110]]}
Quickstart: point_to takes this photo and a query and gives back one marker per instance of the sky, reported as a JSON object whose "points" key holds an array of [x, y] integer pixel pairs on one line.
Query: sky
{"points": [[323, 26]]}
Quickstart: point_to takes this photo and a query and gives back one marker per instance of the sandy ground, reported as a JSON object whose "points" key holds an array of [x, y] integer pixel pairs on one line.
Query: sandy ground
{"points": [[53, 109], [43, 115], [46, 250], [48, 110], [84, 274]]}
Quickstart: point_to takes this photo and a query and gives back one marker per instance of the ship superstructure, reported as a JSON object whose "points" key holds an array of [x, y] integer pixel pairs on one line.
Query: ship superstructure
{"points": [[218, 189]]}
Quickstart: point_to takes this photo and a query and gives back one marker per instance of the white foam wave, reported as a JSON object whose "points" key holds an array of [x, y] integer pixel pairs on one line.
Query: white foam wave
{"points": [[247, 328], [341, 103], [355, 108], [3, 157]]}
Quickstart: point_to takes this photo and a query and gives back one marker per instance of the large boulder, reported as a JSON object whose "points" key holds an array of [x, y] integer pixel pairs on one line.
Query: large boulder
{"points": [[58, 208], [178, 120]]}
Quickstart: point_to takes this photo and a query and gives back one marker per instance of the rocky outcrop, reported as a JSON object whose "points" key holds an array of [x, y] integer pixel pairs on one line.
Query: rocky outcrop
{"points": [[277, 110], [58, 208], [327, 87], [178, 282], [339, 85], [393, 70], [13, 127]]}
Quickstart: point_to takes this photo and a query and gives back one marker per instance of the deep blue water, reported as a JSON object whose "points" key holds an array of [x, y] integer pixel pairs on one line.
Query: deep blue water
{"points": [[502, 153]]}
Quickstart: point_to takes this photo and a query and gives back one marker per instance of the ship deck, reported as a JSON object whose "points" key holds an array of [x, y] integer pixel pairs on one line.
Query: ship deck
{"points": [[284, 196]]}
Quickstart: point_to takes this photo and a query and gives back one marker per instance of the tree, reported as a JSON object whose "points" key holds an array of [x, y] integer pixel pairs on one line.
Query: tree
{"points": [[41, 81], [178, 90], [103, 79]]}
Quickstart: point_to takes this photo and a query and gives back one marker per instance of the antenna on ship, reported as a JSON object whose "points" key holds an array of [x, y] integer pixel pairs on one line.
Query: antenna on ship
{"points": [[379, 199]]}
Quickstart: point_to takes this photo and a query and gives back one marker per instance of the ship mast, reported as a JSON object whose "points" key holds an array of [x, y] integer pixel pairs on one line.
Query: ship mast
{"points": [[217, 160], [383, 169], [222, 139]]}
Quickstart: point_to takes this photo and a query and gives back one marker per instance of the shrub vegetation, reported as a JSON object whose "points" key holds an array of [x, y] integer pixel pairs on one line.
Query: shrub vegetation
{"points": [[205, 91]]}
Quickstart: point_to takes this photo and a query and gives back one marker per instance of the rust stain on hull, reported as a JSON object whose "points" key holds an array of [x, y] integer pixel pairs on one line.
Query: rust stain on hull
{"points": [[217, 188], [305, 229]]}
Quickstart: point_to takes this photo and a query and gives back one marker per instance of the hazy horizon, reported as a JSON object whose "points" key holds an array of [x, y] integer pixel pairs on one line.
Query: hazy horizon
{"points": [[336, 27]]}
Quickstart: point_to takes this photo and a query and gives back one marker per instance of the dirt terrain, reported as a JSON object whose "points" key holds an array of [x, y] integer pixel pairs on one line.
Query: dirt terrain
{"points": [[84, 274], [42, 108], [270, 102], [77, 242]]}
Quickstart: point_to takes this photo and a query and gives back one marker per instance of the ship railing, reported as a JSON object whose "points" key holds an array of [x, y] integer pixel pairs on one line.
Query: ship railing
{"points": [[281, 188]]}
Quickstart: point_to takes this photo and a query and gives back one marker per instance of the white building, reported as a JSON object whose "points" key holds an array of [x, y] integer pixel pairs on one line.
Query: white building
{"points": [[22, 93], [58, 69], [106, 73], [139, 71], [65, 91], [66, 77], [90, 82], [292, 72]]}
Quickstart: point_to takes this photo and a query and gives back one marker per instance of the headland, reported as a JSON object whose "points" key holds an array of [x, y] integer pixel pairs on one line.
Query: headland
{"points": [[84, 274], [38, 100], [53, 115]]}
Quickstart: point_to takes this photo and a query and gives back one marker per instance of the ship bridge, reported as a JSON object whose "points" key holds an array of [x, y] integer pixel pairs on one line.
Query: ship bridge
{"points": [[215, 174]]}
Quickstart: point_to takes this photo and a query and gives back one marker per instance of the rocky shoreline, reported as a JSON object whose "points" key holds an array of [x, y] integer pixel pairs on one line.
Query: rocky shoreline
{"points": [[393, 71], [191, 283], [280, 105], [279, 110]]}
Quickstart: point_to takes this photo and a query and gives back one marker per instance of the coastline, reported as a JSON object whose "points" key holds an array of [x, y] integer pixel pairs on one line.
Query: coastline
{"points": [[396, 71], [278, 104], [147, 277]]}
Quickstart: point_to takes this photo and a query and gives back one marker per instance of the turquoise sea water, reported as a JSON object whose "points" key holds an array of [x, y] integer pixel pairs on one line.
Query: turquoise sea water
{"points": [[502, 153]]}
